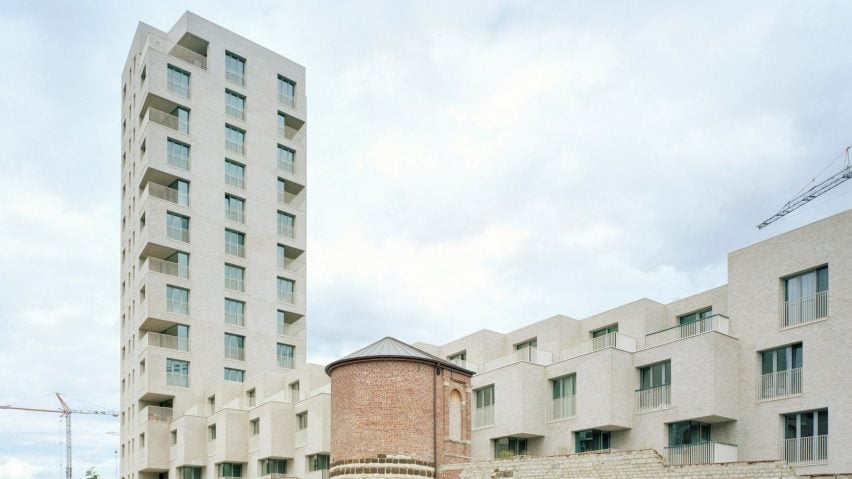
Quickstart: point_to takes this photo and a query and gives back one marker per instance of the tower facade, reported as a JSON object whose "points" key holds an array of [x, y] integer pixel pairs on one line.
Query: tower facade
{"points": [[213, 188]]}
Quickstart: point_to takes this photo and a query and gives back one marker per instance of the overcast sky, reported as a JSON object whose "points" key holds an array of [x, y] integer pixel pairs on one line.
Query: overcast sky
{"points": [[471, 165]]}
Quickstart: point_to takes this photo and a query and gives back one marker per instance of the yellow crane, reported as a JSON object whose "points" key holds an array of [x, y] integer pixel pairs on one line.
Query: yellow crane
{"points": [[66, 412]]}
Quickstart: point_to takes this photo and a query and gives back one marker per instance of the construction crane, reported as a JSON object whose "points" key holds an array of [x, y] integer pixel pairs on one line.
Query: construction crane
{"points": [[64, 411], [805, 196]]}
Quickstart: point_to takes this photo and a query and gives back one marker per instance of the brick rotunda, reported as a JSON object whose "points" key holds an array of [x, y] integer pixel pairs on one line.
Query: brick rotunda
{"points": [[398, 412]]}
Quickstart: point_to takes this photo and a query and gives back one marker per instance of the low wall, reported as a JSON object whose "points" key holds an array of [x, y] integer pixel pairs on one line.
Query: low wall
{"points": [[639, 464]]}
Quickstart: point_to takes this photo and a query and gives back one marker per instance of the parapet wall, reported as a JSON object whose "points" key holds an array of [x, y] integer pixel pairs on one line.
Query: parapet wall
{"points": [[639, 464]]}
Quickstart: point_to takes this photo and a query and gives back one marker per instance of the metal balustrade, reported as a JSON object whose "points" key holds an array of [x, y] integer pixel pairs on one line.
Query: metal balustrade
{"points": [[804, 451], [780, 384], [528, 355], [701, 453], [804, 310], [562, 408], [157, 265], [483, 417], [168, 120], [189, 56], [654, 398], [167, 341], [168, 194], [158, 413], [611, 340], [717, 322]]}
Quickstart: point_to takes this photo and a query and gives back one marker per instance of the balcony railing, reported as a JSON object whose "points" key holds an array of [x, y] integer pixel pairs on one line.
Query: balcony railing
{"points": [[301, 437], [168, 120], [780, 384], [235, 215], [235, 147], [611, 340], [285, 362], [654, 398], [158, 414], [178, 161], [235, 112], [701, 453], [167, 341], [157, 265], [189, 56], [235, 249], [717, 322], [287, 231], [233, 352], [177, 234], [804, 451], [804, 310], [180, 380], [483, 417], [562, 408], [527, 355], [168, 194]]}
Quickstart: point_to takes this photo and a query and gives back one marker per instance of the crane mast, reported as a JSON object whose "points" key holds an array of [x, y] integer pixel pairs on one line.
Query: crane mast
{"points": [[806, 196], [66, 412]]}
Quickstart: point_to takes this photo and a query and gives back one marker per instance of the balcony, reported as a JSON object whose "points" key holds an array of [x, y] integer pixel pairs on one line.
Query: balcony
{"points": [[611, 340], [562, 408], [718, 323], [779, 385], [527, 355], [293, 265], [157, 413], [804, 451], [292, 330], [167, 119], [294, 199], [235, 353], [702, 453], [189, 56], [654, 398], [166, 341], [483, 417], [168, 194], [161, 266], [292, 133], [804, 310]]}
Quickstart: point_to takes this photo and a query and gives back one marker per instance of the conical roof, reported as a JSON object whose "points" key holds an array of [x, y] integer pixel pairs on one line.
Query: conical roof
{"points": [[392, 348]]}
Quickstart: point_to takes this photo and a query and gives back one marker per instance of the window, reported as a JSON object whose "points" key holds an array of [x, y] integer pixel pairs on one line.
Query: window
{"points": [[211, 404], [273, 466], [177, 154], [235, 69], [688, 432], [285, 290], [235, 243], [174, 436], [235, 139], [459, 359], [177, 300], [286, 225], [483, 413], [235, 347], [281, 320], [254, 427], [806, 437], [806, 297], [604, 337], [591, 440], [229, 469], [510, 446], [282, 191], [282, 256], [696, 316], [179, 120], [188, 472], [654, 387], [235, 105], [286, 159], [302, 421], [285, 353], [211, 432], [235, 312], [235, 174], [781, 372], [176, 264], [286, 91], [237, 375], [295, 395], [178, 81], [181, 194], [177, 373], [526, 351], [235, 208], [175, 337], [251, 396], [318, 462], [177, 227], [655, 375], [235, 278], [564, 390]]}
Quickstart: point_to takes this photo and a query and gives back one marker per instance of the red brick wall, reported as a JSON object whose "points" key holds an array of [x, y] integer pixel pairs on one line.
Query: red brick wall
{"points": [[382, 407]]}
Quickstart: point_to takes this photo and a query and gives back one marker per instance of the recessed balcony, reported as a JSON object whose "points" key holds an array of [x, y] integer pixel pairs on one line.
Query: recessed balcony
{"points": [[527, 355], [719, 323], [701, 453], [611, 340], [162, 266], [167, 341]]}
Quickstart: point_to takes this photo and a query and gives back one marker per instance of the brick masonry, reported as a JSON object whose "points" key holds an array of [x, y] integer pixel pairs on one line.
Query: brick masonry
{"points": [[638, 464]]}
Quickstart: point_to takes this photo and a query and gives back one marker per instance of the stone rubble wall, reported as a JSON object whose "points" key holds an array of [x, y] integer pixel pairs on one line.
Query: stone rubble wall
{"points": [[638, 464]]}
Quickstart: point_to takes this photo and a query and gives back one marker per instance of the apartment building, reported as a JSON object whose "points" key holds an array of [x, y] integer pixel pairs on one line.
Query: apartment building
{"points": [[214, 381], [753, 370]]}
